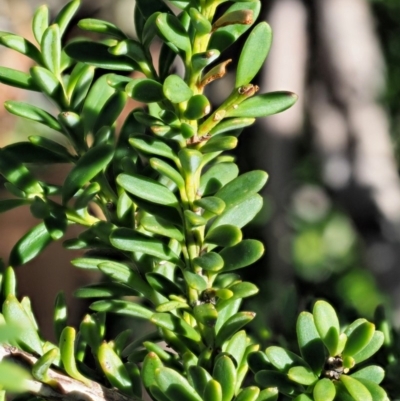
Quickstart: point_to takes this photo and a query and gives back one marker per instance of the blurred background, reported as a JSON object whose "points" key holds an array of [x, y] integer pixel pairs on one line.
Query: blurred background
{"points": [[331, 219]]}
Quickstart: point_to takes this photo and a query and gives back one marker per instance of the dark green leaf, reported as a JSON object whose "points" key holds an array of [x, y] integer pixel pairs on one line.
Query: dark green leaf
{"points": [[104, 290], [283, 359], [254, 53], [91, 164], [195, 281], [51, 49], [20, 45], [232, 325], [122, 308], [224, 235], [153, 146], [162, 284], [129, 240], [267, 378], [97, 54], [216, 177], [176, 325], [147, 189], [66, 14], [176, 90], [210, 261], [40, 22], [172, 31], [211, 204], [34, 113], [145, 90], [30, 245], [310, 343], [239, 188], [198, 106], [241, 255], [263, 105], [100, 26], [18, 79]]}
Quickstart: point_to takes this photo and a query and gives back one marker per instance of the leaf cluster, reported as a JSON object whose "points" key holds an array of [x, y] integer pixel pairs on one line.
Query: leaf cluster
{"points": [[162, 206]]}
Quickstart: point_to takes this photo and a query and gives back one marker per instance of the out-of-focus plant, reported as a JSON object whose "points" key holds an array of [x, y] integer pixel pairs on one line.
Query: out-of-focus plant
{"points": [[162, 207]]}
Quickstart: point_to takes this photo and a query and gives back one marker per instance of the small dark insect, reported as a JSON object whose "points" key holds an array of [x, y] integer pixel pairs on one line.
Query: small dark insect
{"points": [[333, 368]]}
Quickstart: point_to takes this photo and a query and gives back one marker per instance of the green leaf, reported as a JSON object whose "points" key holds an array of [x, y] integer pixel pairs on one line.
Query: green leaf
{"points": [[176, 325], [79, 84], [302, 375], [195, 281], [18, 79], [241, 255], [154, 146], [249, 394], [162, 284], [213, 391], [66, 14], [145, 90], [91, 164], [42, 365], [211, 204], [17, 174], [376, 391], [253, 54], [219, 144], [114, 369], [327, 324], [30, 245], [232, 325], [198, 106], [268, 378], [243, 290], [206, 314], [372, 373], [147, 189], [210, 261], [21, 45], [216, 177], [27, 336], [258, 361], [203, 59], [194, 219], [310, 343], [324, 390], [49, 150], [151, 365], [224, 372], [175, 386], [372, 347], [168, 171], [239, 188], [158, 225], [132, 241], [97, 54], [50, 85], [268, 394], [241, 213], [356, 389], [67, 351], [191, 160], [283, 359], [33, 113], [40, 22], [201, 24], [226, 36], [176, 90], [198, 378], [263, 105], [359, 338], [51, 49], [225, 236], [236, 346], [122, 308], [100, 26], [172, 31], [231, 124]]}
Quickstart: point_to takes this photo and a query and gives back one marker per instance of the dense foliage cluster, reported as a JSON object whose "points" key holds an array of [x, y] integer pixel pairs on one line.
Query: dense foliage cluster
{"points": [[162, 207]]}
